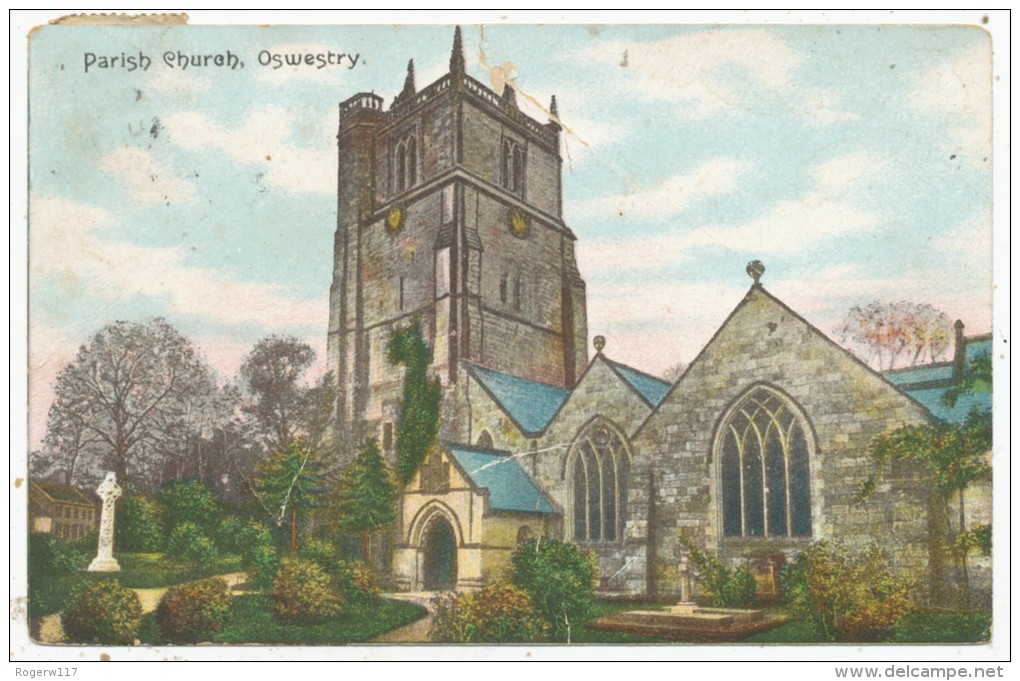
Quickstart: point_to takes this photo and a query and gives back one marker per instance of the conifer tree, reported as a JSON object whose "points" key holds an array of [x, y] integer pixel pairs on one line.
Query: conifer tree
{"points": [[418, 423], [367, 494], [289, 480]]}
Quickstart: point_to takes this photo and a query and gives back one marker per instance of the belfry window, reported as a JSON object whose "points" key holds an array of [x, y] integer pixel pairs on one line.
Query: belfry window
{"points": [[405, 164], [765, 474], [598, 477], [513, 166]]}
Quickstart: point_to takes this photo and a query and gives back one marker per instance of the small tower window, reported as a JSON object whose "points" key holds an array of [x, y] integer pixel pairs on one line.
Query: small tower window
{"points": [[518, 293], [513, 167], [405, 164], [387, 436], [400, 293], [502, 289]]}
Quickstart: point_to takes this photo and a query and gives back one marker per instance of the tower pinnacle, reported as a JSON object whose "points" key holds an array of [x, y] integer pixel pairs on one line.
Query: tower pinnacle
{"points": [[457, 54]]}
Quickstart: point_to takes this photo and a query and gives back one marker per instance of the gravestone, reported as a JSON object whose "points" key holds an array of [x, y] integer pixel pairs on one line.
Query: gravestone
{"points": [[109, 491]]}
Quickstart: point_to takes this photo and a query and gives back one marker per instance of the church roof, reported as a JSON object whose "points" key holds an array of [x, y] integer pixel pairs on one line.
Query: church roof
{"points": [[928, 383], [529, 403], [510, 488], [652, 389]]}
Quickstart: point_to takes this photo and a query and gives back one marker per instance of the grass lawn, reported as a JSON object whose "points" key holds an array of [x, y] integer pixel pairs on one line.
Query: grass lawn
{"points": [[920, 626], [251, 621]]}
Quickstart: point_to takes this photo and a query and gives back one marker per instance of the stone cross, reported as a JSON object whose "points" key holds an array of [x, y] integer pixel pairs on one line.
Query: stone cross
{"points": [[109, 492]]}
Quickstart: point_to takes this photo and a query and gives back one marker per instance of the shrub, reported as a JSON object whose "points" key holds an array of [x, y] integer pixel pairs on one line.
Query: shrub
{"points": [[138, 526], [320, 552], [303, 593], [356, 581], [102, 612], [560, 579], [189, 502], [723, 586], [848, 597], [262, 562], [229, 535], [499, 613], [943, 626], [189, 543], [193, 612], [48, 555]]}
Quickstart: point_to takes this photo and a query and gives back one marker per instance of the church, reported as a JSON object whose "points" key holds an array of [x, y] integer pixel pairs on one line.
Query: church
{"points": [[450, 211]]}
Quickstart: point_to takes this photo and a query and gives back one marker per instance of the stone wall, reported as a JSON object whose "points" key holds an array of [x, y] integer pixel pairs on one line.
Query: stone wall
{"points": [[847, 405]]}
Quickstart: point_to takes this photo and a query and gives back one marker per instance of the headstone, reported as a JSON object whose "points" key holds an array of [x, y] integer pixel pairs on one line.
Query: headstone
{"points": [[109, 492]]}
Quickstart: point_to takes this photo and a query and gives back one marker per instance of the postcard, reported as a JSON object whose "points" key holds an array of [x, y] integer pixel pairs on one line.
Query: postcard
{"points": [[551, 336]]}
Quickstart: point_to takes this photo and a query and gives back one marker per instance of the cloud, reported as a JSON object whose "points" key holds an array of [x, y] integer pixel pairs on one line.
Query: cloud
{"points": [[712, 71], [825, 211], [669, 198], [958, 92], [66, 242], [267, 139], [147, 180]]}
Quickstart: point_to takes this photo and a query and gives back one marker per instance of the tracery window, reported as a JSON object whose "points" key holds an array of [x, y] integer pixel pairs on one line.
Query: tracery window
{"points": [[765, 469], [599, 485], [405, 164]]}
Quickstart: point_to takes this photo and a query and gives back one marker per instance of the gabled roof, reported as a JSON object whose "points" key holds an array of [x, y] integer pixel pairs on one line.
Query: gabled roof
{"points": [[510, 488], [530, 404], [63, 493], [651, 389]]}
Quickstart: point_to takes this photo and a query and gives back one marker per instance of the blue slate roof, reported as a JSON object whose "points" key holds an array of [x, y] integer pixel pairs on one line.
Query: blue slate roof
{"points": [[510, 488], [921, 374], [651, 388], [932, 399], [530, 403]]}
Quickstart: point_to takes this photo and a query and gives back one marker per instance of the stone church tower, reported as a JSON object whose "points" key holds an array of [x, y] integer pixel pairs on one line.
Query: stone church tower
{"points": [[449, 210]]}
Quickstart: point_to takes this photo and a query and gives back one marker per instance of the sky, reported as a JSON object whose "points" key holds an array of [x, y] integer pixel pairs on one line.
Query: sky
{"points": [[854, 161]]}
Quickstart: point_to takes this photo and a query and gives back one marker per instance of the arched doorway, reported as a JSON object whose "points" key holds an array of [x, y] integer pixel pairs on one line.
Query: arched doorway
{"points": [[440, 549]]}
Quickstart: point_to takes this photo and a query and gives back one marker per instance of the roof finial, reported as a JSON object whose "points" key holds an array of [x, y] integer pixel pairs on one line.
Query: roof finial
{"points": [[599, 342], [509, 96], [457, 55], [553, 108], [755, 269]]}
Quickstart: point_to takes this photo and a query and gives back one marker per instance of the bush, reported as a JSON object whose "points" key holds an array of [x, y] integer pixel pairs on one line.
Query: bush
{"points": [[138, 526], [189, 502], [943, 626], [303, 593], [193, 612], [320, 552], [262, 563], [723, 586], [48, 555], [356, 581], [228, 535], [102, 612], [848, 597], [189, 543], [499, 613], [560, 578]]}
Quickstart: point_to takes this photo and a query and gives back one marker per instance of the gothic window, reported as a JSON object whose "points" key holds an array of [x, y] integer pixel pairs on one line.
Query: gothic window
{"points": [[599, 485], [405, 164], [387, 436], [513, 166], [401, 168], [765, 473]]}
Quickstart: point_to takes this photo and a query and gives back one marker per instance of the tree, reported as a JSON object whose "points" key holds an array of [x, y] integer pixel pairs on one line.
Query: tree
{"points": [[127, 389], [271, 373], [418, 422], [366, 495], [673, 373], [289, 480], [954, 456], [893, 335]]}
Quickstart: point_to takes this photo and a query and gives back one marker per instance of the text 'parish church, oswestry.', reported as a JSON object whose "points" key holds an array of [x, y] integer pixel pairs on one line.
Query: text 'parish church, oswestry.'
{"points": [[450, 212]]}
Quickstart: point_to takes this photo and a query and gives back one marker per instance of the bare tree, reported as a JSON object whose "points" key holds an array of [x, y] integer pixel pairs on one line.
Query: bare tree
{"points": [[271, 375], [896, 335], [128, 391]]}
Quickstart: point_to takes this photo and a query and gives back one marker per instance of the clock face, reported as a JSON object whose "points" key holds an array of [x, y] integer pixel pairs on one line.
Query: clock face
{"points": [[520, 224], [395, 219]]}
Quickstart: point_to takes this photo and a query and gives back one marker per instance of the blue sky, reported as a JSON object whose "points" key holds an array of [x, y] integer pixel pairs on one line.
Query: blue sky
{"points": [[854, 161]]}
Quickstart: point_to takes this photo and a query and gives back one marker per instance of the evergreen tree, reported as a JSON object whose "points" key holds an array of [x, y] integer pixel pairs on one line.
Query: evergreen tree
{"points": [[289, 480], [418, 423], [367, 494]]}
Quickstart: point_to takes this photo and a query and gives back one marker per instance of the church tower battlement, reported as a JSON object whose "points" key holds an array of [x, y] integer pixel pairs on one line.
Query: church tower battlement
{"points": [[449, 210]]}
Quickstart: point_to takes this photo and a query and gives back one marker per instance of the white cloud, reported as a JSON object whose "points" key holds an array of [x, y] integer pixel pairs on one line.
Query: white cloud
{"points": [[710, 71], [148, 180], [266, 139], [66, 241], [787, 226], [959, 92], [669, 198]]}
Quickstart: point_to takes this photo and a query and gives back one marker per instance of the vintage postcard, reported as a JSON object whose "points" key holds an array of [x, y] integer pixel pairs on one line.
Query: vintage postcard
{"points": [[479, 332]]}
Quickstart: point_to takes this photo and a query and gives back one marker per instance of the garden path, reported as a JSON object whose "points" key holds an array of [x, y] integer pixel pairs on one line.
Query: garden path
{"points": [[50, 630], [415, 632]]}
